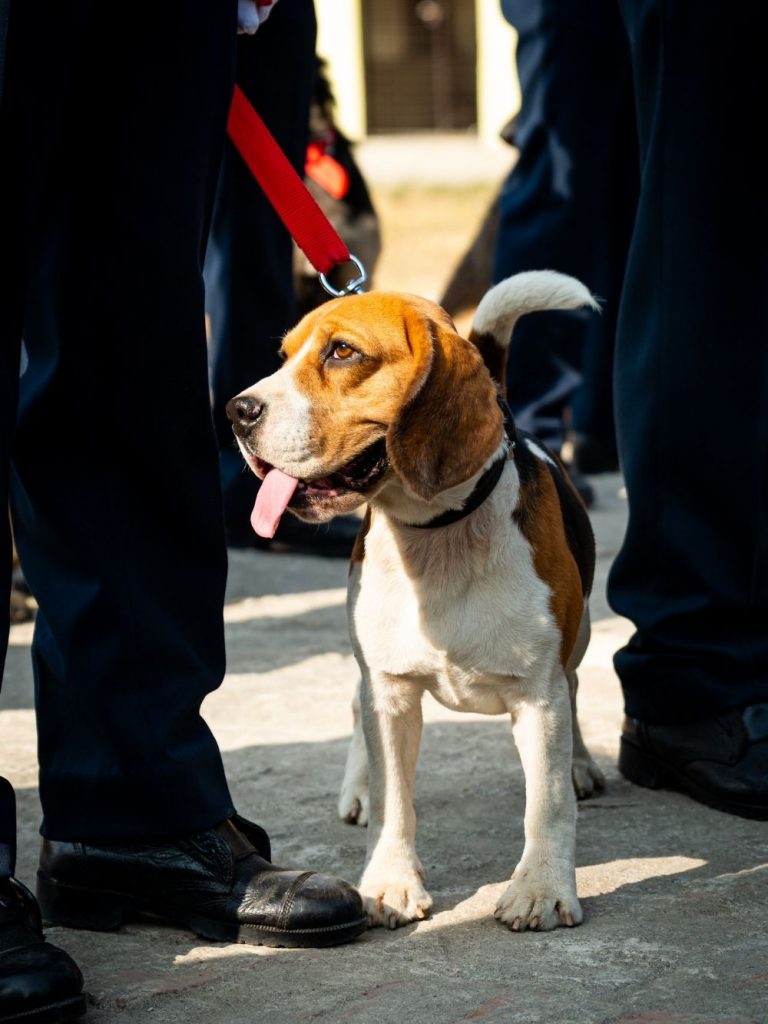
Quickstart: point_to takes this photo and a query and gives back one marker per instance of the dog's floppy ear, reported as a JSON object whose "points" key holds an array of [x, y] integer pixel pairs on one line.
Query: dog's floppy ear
{"points": [[449, 423]]}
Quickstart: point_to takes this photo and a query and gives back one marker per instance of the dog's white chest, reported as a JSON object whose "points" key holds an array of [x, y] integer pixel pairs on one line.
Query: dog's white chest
{"points": [[465, 690], [468, 634]]}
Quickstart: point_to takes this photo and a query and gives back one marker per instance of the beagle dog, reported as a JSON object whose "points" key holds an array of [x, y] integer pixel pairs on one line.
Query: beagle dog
{"points": [[471, 573]]}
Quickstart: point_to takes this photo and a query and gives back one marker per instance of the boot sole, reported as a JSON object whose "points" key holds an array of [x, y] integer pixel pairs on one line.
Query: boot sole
{"points": [[54, 1013], [645, 769], [102, 910]]}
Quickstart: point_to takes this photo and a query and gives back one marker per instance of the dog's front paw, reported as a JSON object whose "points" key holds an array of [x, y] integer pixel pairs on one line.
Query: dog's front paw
{"points": [[353, 803], [393, 898], [587, 777], [530, 902]]}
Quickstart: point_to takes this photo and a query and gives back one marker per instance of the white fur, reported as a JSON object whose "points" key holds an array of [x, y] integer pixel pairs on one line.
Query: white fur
{"points": [[539, 452], [395, 498], [529, 292], [460, 612], [286, 438]]}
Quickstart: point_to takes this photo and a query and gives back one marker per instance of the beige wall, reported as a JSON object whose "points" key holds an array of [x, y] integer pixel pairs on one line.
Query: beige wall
{"points": [[498, 91], [340, 41]]}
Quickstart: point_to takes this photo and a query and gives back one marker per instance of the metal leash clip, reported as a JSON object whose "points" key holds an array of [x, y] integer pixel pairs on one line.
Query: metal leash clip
{"points": [[355, 285]]}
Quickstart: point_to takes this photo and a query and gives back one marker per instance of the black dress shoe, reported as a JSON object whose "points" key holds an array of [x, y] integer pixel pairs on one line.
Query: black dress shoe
{"points": [[721, 761], [593, 454], [39, 983], [214, 883], [583, 487], [255, 834]]}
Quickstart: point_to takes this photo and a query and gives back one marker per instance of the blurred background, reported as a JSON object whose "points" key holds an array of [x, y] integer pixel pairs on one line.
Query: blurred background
{"points": [[424, 89], [424, 66]]}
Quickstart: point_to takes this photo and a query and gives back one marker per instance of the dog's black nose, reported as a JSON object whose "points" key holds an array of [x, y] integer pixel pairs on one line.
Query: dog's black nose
{"points": [[243, 411]]}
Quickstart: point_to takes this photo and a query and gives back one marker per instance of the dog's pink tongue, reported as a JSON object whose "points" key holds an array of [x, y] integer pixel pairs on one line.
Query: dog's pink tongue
{"points": [[275, 492]]}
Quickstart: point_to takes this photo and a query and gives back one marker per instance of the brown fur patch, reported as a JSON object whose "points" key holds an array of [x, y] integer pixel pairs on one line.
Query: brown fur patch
{"points": [[353, 403], [578, 529], [450, 423], [540, 519]]}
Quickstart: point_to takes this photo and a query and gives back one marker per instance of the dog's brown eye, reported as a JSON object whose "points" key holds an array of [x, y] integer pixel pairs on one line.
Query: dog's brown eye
{"points": [[341, 350]]}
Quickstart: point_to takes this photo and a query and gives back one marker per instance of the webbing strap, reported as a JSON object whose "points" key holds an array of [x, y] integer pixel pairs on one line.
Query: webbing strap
{"points": [[287, 193]]}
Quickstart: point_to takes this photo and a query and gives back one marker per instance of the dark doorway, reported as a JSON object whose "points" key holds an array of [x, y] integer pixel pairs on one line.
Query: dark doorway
{"points": [[420, 65]]}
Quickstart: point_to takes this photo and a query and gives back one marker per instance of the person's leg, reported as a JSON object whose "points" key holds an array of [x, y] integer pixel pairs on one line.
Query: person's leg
{"points": [[115, 489], [567, 203], [9, 372], [592, 413], [36, 979], [7, 829], [116, 494], [692, 380], [10, 334], [249, 267]]}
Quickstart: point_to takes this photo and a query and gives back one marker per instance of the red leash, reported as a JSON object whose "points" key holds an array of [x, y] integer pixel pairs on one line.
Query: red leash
{"points": [[288, 194]]}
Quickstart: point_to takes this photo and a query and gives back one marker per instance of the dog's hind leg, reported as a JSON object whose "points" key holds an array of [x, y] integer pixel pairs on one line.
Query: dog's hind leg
{"points": [[587, 777], [353, 799]]}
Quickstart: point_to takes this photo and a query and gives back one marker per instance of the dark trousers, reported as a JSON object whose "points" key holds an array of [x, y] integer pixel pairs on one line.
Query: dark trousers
{"points": [[568, 205], [692, 366], [249, 282], [110, 153]]}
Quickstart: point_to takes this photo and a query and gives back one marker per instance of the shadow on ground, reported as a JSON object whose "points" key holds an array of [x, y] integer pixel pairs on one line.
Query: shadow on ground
{"points": [[673, 895]]}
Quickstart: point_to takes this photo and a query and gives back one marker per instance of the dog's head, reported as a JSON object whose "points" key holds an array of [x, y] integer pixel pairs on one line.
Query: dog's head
{"points": [[377, 392]]}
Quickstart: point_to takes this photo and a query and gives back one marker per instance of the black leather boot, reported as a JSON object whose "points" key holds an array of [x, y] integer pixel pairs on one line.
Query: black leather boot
{"points": [[39, 983], [720, 761], [215, 883]]}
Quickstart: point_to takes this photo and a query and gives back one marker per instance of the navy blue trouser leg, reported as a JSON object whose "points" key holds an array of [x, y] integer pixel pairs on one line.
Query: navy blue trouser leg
{"points": [[249, 280], [16, 188], [115, 488], [568, 204], [10, 327], [7, 829], [692, 367]]}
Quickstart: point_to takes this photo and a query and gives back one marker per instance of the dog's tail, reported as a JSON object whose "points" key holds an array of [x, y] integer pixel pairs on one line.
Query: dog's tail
{"points": [[506, 302]]}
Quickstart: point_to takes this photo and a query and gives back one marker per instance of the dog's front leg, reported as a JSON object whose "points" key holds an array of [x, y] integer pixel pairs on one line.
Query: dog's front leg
{"points": [[392, 883], [542, 893]]}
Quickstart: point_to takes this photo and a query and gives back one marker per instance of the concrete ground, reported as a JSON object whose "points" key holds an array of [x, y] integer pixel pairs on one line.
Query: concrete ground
{"points": [[674, 894]]}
